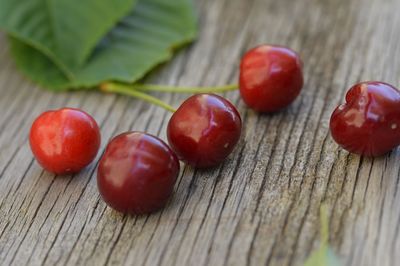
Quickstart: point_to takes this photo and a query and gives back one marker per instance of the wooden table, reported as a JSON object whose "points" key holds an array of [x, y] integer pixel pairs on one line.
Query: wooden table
{"points": [[262, 205]]}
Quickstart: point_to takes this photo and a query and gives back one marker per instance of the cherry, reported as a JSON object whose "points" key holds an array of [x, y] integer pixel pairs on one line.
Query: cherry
{"points": [[64, 141], [204, 130], [271, 78], [137, 173], [369, 122]]}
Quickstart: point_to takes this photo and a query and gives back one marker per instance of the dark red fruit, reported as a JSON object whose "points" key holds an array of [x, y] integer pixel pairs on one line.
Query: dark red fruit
{"points": [[64, 141], [271, 78], [369, 122], [204, 130], [137, 173]]}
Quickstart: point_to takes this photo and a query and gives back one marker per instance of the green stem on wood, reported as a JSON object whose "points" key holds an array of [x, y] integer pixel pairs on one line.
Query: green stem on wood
{"points": [[161, 88], [130, 91]]}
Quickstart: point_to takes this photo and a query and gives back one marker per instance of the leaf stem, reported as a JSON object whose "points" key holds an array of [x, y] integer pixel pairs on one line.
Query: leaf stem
{"points": [[129, 91], [161, 88]]}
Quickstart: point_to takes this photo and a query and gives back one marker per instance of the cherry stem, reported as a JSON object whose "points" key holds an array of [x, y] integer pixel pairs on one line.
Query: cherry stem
{"points": [[161, 88], [130, 91]]}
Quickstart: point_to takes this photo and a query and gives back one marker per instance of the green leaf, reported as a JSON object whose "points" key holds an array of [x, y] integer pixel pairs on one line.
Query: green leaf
{"points": [[66, 31], [36, 66], [324, 255], [142, 40]]}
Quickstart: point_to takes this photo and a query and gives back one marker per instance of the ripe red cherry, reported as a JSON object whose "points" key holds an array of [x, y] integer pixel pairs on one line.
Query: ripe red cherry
{"points": [[369, 122], [64, 141], [204, 130], [137, 173], [271, 78]]}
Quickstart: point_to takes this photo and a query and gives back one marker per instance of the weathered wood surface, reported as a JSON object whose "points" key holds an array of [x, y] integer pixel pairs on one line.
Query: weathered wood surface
{"points": [[261, 206]]}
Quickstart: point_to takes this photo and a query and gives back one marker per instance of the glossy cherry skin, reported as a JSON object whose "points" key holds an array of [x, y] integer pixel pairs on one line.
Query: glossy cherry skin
{"points": [[204, 130], [64, 141], [137, 173], [271, 78], [369, 122]]}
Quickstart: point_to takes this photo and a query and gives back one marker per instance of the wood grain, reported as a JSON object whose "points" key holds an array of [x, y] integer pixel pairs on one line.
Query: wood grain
{"points": [[261, 206]]}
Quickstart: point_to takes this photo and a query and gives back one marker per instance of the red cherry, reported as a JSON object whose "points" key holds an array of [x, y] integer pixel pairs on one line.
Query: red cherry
{"points": [[137, 173], [64, 141], [271, 78], [369, 122], [204, 130]]}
